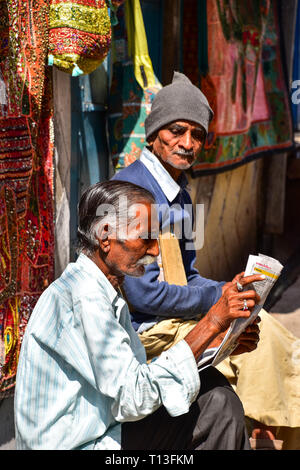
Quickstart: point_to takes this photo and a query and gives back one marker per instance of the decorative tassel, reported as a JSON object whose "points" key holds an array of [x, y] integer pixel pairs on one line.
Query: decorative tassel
{"points": [[50, 59], [76, 71]]}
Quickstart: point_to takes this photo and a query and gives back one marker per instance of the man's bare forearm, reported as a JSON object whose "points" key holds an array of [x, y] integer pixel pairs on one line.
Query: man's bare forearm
{"points": [[201, 336]]}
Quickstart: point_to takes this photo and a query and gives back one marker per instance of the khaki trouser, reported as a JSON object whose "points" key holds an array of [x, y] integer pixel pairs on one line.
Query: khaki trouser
{"points": [[164, 334], [266, 380]]}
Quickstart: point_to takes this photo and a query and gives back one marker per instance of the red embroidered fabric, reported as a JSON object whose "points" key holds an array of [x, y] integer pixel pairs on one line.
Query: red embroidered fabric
{"points": [[26, 174]]}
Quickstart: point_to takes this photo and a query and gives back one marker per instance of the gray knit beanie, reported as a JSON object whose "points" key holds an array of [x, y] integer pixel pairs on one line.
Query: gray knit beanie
{"points": [[181, 100]]}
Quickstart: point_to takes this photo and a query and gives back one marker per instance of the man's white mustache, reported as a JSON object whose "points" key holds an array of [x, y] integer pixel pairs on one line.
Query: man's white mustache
{"points": [[148, 259], [182, 153]]}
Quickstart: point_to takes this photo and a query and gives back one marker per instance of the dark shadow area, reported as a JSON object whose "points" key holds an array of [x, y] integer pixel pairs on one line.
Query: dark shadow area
{"points": [[7, 428], [286, 247]]}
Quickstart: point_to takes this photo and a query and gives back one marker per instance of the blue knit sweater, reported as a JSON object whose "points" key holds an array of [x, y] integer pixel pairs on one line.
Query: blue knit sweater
{"points": [[150, 299]]}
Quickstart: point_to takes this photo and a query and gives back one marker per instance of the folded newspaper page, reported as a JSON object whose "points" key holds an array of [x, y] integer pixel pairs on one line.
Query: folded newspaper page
{"points": [[260, 264]]}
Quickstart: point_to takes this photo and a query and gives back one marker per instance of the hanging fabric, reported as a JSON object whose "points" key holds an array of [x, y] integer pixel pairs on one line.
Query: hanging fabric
{"points": [[133, 87], [26, 174], [239, 69], [79, 35], [137, 44], [117, 3]]}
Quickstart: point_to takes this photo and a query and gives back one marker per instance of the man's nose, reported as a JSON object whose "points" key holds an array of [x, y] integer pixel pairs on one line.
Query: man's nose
{"points": [[153, 248], [186, 140]]}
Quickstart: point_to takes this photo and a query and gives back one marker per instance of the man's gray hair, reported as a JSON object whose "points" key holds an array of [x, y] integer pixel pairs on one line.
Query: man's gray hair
{"points": [[107, 203]]}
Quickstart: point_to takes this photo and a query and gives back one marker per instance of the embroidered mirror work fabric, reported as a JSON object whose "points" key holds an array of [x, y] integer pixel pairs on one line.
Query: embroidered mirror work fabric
{"points": [[26, 174], [242, 77], [79, 35]]}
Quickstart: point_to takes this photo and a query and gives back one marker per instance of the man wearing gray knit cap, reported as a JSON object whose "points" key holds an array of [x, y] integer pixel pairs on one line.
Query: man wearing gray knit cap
{"points": [[180, 100], [176, 129], [165, 309], [169, 299]]}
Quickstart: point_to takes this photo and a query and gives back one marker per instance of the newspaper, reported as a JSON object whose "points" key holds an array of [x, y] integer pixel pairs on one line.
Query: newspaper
{"points": [[260, 264]]}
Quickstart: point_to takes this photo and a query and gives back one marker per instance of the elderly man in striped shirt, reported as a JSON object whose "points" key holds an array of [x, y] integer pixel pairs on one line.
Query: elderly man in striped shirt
{"points": [[83, 381]]}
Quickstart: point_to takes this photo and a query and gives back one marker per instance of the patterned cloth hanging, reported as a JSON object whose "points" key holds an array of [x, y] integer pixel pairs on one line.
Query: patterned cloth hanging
{"points": [[79, 35], [243, 80], [133, 87], [117, 3], [26, 174]]}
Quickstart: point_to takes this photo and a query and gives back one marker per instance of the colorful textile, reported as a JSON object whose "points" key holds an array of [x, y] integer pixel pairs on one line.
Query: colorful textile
{"points": [[244, 84], [26, 174], [79, 35], [114, 5], [117, 3], [130, 97], [137, 44]]}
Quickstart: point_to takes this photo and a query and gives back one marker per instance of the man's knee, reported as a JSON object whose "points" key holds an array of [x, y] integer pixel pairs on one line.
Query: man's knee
{"points": [[225, 402], [217, 395]]}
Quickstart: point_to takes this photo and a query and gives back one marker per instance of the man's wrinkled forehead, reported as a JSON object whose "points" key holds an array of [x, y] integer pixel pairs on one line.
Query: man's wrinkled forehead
{"points": [[184, 124]]}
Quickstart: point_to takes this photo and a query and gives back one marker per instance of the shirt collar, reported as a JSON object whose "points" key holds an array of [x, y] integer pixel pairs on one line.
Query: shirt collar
{"points": [[88, 265], [168, 185]]}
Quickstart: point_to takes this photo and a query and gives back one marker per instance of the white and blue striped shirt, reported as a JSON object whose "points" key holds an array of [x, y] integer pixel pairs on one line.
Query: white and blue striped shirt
{"points": [[82, 369]]}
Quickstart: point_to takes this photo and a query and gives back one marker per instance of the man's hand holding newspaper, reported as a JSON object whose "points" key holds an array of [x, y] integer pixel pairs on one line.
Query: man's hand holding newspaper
{"points": [[261, 264]]}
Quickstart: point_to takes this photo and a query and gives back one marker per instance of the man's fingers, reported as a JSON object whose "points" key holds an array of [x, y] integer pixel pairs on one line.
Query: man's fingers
{"points": [[249, 339], [250, 334], [238, 277], [256, 320], [246, 304], [244, 348], [247, 294], [249, 342], [253, 278], [253, 326]]}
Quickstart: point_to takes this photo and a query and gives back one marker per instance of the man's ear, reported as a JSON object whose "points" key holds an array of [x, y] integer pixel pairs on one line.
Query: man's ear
{"points": [[151, 139], [104, 239], [150, 143]]}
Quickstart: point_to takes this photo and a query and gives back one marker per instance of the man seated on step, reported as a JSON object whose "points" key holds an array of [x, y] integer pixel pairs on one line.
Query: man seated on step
{"points": [[163, 310], [176, 130], [83, 381]]}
